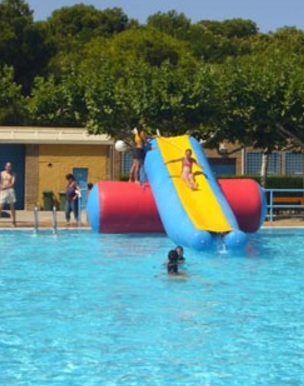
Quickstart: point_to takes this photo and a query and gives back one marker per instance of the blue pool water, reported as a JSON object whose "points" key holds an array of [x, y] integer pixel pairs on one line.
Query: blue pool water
{"points": [[82, 309]]}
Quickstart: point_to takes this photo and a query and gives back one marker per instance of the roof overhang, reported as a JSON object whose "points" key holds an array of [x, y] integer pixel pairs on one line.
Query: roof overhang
{"points": [[51, 135]]}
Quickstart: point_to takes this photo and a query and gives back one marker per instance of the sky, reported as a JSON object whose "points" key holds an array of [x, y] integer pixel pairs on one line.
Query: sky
{"points": [[269, 15]]}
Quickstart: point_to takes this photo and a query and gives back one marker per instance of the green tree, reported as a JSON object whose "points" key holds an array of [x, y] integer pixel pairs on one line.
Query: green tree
{"points": [[258, 94], [231, 28], [172, 23], [160, 97], [85, 22], [214, 41], [21, 42], [70, 29], [151, 46], [58, 103], [11, 101]]}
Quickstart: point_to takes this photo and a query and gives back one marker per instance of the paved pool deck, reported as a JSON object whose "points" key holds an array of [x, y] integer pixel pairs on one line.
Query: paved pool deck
{"points": [[26, 219]]}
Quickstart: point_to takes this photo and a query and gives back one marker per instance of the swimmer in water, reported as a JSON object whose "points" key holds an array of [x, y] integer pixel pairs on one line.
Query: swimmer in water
{"points": [[172, 264], [180, 251]]}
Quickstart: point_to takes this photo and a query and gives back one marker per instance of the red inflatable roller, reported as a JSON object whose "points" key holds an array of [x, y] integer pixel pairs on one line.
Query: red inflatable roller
{"points": [[247, 202], [123, 207]]}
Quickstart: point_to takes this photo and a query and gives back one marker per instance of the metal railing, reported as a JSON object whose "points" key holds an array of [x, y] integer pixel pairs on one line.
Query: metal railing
{"points": [[273, 195], [54, 222]]}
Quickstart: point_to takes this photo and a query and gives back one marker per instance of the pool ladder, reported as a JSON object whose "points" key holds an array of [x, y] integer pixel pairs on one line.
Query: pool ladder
{"points": [[54, 220], [36, 220]]}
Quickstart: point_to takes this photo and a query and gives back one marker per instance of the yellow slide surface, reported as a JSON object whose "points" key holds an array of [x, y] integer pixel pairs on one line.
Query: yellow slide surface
{"points": [[201, 205]]}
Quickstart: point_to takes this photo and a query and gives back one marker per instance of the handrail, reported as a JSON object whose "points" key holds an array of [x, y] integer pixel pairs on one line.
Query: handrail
{"points": [[272, 193], [54, 220], [36, 220]]}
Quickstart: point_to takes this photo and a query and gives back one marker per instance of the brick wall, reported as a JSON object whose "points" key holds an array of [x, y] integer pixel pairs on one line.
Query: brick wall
{"points": [[31, 176], [55, 161]]}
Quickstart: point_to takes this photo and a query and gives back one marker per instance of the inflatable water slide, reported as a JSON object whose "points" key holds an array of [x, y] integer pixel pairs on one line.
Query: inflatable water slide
{"points": [[190, 217], [223, 210]]}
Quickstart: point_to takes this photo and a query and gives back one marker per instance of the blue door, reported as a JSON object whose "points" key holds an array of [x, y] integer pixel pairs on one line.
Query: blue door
{"points": [[16, 155], [81, 176]]}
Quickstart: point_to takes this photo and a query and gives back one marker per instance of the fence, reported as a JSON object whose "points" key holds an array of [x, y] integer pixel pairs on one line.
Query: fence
{"points": [[284, 199]]}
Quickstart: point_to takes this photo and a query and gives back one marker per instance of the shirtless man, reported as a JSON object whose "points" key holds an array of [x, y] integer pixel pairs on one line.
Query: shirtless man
{"points": [[7, 192]]}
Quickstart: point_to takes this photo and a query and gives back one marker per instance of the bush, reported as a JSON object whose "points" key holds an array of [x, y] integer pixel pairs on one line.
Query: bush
{"points": [[124, 177]]}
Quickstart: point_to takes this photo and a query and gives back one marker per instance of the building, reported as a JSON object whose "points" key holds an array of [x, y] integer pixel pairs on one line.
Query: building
{"points": [[233, 160], [42, 157]]}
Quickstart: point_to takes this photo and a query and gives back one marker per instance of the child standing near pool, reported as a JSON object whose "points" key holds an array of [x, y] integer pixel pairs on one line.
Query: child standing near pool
{"points": [[187, 163]]}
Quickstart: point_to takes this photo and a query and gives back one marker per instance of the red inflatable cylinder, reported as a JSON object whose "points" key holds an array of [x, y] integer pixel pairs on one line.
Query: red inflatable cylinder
{"points": [[127, 208], [245, 199], [123, 207]]}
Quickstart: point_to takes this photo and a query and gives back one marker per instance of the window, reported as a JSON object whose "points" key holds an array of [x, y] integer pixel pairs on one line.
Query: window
{"points": [[254, 163], [223, 166], [126, 162], [294, 163]]}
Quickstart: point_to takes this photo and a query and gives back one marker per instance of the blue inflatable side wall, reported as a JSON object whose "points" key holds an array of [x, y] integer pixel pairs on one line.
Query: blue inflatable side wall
{"points": [[175, 218], [202, 159], [93, 208]]}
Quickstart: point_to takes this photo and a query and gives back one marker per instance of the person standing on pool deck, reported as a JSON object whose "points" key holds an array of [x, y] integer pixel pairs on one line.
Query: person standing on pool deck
{"points": [[187, 163], [72, 198], [7, 191]]}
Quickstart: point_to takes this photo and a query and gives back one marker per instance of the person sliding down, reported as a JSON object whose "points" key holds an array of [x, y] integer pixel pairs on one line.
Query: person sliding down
{"points": [[187, 163]]}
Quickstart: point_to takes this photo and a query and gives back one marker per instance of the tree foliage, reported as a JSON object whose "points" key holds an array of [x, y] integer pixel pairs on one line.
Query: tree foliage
{"points": [[171, 23], [58, 104], [22, 42], [99, 69], [11, 99], [85, 22]]}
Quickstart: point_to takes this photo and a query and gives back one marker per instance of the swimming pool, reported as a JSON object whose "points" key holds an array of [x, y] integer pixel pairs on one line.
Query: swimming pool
{"points": [[89, 309]]}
